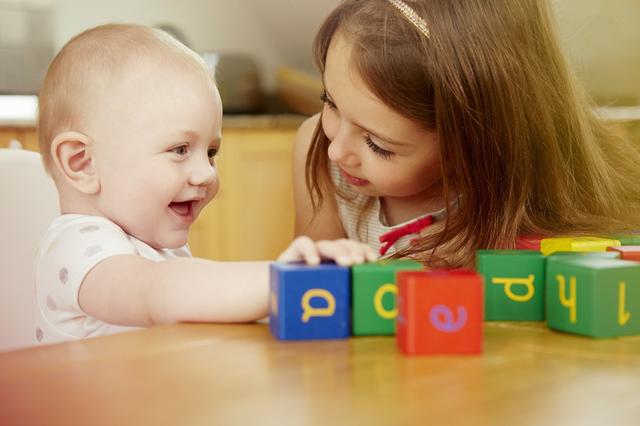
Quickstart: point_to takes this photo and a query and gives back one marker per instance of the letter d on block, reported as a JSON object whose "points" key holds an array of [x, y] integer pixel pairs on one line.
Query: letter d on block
{"points": [[309, 311], [509, 282]]}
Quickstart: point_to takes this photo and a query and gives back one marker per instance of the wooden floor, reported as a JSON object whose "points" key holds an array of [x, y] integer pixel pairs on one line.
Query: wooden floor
{"points": [[192, 374]]}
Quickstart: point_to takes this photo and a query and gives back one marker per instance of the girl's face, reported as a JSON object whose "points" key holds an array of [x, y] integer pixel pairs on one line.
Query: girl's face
{"points": [[379, 152]]}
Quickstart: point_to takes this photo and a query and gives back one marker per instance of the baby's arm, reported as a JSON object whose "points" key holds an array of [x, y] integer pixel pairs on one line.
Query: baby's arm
{"points": [[133, 291], [325, 224]]}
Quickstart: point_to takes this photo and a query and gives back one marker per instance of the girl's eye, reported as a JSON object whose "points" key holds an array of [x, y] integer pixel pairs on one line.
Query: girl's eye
{"points": [[324, 98], [211, 153], [180, 150], [377, 150]]}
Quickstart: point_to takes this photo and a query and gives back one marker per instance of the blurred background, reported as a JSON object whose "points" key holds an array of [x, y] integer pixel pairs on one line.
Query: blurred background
{"points": [[262, 53], [255, 39]]}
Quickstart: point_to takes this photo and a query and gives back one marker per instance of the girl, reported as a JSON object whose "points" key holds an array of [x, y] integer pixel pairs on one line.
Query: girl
{"points": [[452, 126]]}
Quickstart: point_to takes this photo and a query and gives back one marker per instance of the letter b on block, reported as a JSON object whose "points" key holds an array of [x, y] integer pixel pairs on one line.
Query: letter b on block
{"points": [[514, 284], [440, 312], [309, 302]]}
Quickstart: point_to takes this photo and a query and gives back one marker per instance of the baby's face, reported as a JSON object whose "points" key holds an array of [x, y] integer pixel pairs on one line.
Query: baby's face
{"points": [[154, 152]]}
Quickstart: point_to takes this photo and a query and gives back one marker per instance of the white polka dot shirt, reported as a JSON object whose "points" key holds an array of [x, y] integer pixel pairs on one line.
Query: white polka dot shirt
{"points": [[71, 247]]}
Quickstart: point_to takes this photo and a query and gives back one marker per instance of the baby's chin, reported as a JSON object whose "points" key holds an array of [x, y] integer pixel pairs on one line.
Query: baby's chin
{"points": [[174, 241]]}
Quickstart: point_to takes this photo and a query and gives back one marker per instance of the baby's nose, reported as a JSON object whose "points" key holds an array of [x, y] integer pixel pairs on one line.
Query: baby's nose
{"points": [[203, 175]]}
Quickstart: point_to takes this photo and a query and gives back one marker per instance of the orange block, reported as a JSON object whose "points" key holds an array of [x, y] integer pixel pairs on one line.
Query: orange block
{"points": [[439, 312], [627, 252]]}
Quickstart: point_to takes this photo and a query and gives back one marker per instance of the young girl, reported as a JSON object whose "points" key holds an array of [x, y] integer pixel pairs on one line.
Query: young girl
{"points": [[453, 126]]}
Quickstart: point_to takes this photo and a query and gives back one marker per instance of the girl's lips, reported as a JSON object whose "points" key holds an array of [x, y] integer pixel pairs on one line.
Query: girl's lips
{"points": [[352, 179]]}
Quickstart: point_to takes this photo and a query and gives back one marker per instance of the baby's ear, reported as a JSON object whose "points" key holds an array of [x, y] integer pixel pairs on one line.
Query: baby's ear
{"points": [[71, 153]]}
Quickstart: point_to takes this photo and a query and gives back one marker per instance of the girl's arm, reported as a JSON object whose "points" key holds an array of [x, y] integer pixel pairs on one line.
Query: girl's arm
{"points": [[325, 225]]}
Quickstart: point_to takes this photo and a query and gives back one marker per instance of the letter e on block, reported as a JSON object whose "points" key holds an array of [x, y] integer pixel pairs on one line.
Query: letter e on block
{"points": [[440, 312]]}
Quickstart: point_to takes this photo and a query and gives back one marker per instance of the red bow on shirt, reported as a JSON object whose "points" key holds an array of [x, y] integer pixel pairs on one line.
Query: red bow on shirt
{"points": [[394, 235]]}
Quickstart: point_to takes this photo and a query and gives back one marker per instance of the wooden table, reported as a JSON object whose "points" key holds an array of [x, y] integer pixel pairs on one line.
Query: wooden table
{"points": [[203, 374]]}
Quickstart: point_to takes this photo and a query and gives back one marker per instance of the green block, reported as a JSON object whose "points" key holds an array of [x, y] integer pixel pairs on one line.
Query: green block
{"points": [[374, 295], [583, 254], [593, 296], [627, 240], [513, 284]]}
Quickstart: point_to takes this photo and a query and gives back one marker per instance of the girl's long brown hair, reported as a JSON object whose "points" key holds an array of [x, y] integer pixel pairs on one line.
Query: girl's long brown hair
{"points": [[521, 149]]}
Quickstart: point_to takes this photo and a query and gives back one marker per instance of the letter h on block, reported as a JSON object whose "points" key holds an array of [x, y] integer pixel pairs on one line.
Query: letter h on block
{"points": [[595, 297], [309, 302], [439, 312]]}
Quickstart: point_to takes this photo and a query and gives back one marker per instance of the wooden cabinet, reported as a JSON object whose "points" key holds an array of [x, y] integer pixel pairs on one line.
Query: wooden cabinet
{"points": [[25, 135], [252, 217]]}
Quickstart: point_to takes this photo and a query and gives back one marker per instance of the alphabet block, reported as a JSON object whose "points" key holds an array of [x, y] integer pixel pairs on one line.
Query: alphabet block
{"points": [[551, 245], [627, 240], [374, 296], [513, 284], [583, 254], [626, 252], [439, 312], [309, 302], [593, 296]]}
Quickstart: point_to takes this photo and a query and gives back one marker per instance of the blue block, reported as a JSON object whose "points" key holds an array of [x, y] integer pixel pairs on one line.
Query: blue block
{"points": [[310, 302]]}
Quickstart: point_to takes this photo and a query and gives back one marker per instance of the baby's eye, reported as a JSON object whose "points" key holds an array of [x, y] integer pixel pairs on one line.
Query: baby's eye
{"points": [[211, 153], [377, 149], [181, 150]]}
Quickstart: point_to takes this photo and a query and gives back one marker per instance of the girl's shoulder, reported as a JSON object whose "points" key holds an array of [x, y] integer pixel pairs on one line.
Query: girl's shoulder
{"points": [[304, 135]]}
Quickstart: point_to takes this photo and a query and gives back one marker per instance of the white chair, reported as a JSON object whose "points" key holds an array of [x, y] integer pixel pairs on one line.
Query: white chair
{"points": [[29, 203]]}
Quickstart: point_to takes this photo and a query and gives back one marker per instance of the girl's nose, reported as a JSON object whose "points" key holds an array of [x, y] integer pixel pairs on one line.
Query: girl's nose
{"points": [[341, 150]]}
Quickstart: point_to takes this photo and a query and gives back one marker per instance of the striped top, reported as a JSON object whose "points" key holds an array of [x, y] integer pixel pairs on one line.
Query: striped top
{"points": [[374, 223]]}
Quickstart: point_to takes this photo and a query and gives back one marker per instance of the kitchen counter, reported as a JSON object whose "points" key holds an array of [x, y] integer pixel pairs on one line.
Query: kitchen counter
{"points": [[22, 111]]}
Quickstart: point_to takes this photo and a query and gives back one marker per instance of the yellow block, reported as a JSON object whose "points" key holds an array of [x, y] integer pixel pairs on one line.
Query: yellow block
{"points": [[552, 245]]}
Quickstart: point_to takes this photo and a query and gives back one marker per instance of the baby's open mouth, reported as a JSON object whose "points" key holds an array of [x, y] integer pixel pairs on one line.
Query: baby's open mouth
{"points": [[182, 208]]}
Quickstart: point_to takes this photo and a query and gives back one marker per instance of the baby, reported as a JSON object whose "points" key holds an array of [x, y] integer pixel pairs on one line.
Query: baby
{"points": [[129, 127]]}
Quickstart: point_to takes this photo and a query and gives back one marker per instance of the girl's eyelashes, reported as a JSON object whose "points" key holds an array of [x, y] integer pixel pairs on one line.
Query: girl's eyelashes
{"points": [[372, 145], [376, 149], [325, 98]]}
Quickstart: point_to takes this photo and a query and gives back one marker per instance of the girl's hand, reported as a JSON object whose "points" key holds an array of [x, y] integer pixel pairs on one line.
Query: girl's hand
{"points": [[344, 252]]}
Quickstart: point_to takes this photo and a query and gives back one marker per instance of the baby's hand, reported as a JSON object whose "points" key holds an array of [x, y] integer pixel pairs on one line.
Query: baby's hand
{"points": [[344, 252]]}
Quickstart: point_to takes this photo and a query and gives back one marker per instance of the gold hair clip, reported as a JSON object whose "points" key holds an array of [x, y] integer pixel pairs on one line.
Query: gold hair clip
{"points": [[412, 16]]}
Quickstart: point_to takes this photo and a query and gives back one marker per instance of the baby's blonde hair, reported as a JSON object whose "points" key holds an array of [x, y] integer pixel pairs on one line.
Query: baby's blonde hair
{"points": [[89, 65]]}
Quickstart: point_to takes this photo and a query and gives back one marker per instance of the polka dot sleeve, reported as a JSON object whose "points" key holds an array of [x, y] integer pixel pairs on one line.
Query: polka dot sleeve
{"points": [[71, 248]]}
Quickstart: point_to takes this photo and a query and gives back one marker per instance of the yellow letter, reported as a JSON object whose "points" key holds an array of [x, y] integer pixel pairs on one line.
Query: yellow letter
{"points": [[571, 301], [623, 316], [508, 282], [377, 301], [309, 311]]}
